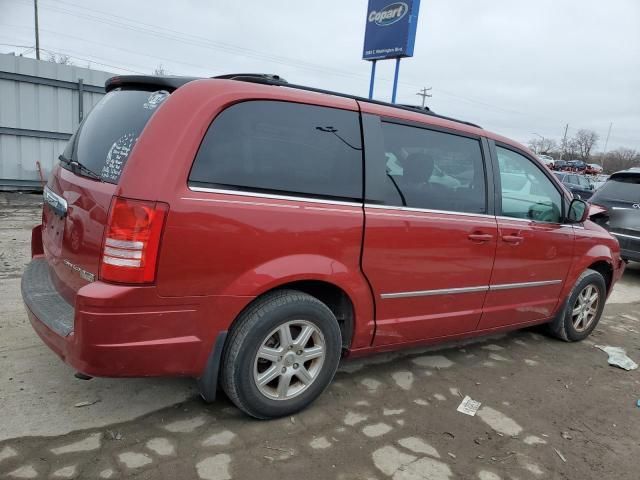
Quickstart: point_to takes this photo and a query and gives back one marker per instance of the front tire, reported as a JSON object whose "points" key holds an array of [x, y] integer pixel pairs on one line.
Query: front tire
{"points": [[582, 310], [281, 354]]}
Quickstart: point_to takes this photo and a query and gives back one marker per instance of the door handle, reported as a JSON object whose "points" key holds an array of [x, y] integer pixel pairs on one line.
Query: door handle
{"points": [[514, 239], [480, 237]]}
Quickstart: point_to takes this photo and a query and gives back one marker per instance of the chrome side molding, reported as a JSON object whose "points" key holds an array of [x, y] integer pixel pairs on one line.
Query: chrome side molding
{"points": [[480, 288], [428, 293]]}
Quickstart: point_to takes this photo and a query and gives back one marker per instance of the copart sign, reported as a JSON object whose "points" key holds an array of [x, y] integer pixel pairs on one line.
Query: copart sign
{"points": [[391, 29]]}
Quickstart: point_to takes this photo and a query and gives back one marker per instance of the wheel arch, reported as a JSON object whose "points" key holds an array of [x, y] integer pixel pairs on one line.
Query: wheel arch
{"points": [[598, 257], [604, 268], [342, 287], [333, 296]]}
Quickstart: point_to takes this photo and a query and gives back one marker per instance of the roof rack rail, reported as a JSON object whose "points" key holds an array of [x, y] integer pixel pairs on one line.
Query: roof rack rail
{"points": [[276, 80], [249, 77], [416, 107]]}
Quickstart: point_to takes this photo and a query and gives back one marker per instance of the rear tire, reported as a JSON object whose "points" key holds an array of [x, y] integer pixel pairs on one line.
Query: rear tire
{"points": [[582, 310], [281, 354]]}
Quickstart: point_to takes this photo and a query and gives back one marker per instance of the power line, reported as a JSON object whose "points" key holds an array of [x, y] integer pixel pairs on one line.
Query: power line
{"points": [[175, 36], [203, 42], [228, 48], [113, 47], [61, 52]]}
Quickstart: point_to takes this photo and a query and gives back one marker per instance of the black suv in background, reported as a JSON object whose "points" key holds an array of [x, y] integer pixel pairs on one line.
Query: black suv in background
{"points": [[620, 195], [579, 185]]}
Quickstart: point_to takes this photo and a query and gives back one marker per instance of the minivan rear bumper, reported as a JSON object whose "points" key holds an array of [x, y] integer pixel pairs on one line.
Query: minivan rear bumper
{"points": [[119, 330]]}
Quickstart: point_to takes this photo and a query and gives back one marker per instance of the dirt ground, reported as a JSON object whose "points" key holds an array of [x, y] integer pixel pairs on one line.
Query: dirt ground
{"points": [[550, 410]]}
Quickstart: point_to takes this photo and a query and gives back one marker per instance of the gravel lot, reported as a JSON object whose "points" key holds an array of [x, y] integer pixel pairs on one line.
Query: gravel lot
{"points": [[549, 410]]}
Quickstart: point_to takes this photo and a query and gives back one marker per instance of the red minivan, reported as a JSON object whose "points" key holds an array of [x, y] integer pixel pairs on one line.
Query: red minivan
{"points": [[249, 233]]}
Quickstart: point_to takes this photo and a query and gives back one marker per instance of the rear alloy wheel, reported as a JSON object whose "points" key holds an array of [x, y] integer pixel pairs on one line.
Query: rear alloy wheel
{"points": [[583, 308], [281, 354], [289, 360]]}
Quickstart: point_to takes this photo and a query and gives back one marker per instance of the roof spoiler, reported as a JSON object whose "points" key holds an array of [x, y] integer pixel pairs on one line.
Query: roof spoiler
{"points": [[147, 82]]}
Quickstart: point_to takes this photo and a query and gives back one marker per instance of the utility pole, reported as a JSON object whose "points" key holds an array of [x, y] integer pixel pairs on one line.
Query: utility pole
{"points": [[35, 10], [606, 142], [564, 141], [542, 144], [423, 93]]}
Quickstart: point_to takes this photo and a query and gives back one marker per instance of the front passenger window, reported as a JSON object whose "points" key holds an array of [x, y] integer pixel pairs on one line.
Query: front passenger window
{"points": [[527, 193]]}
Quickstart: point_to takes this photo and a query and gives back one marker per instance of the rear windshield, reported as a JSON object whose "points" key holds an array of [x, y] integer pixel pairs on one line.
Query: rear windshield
{"points": [[625, 189], [104, 140]]}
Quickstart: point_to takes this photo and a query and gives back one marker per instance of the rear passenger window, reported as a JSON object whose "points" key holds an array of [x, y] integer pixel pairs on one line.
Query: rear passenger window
{"points": [[432, 170], [280, 147]]}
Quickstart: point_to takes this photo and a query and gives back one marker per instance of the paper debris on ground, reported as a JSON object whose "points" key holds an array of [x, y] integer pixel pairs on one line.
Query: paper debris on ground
{"points": [[468, 406], [618, 357], [86, 403]]}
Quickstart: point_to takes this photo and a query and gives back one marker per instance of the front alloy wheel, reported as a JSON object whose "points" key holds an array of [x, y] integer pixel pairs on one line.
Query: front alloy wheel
{"points": [[585, 308], [582, 309]]}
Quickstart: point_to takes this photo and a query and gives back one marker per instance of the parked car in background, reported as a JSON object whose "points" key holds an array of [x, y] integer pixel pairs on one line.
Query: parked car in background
{"points": [[559, 165], [593, 169], [576, 165], [620, 196], [253, 232], [547, 160], [599, 180], [579, 185]]}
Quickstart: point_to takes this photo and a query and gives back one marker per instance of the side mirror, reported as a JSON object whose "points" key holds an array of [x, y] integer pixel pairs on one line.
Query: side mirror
{"points": [[578, 211]]}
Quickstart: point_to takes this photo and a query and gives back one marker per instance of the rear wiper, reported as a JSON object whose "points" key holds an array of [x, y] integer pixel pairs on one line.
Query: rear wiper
{"points": [[77, 165]]}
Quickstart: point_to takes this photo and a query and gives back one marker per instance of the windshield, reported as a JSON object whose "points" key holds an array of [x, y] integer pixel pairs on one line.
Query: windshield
{"points": [[105, 139]]}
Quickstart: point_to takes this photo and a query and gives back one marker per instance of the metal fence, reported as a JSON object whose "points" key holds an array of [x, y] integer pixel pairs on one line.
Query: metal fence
{"points": [[41, 105]]}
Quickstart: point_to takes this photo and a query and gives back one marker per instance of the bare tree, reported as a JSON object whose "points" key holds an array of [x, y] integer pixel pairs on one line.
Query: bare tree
{"points": [[542, 145], [584, 141], [621, 159], [159, 70], [567, 149], [60, 59]]}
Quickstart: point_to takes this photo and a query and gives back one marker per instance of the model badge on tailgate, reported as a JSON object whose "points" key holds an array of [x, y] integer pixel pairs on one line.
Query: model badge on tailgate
{"points": [[88, 276]]}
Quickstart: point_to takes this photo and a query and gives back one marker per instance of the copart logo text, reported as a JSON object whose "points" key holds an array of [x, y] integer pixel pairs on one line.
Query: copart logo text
{"points": [[389, 14]]}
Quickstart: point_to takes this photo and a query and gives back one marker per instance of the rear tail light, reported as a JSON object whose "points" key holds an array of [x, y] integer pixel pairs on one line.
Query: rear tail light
{"points": [[132, 240]]}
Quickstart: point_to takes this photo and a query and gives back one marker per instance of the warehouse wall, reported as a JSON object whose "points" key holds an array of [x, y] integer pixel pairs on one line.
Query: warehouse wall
{"points": [[40, 107]]}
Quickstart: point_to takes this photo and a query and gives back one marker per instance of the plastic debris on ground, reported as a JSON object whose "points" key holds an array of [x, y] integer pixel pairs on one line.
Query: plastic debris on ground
{"points": [[618, 357], [562, 457], [468, 406]]}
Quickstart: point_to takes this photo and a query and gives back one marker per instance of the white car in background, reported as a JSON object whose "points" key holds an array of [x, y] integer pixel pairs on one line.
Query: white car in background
{"points": [[547, 160]]}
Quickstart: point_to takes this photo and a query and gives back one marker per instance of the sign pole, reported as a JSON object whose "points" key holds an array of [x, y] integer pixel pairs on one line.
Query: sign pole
{"points": [[373, 76], [395, 81]]}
